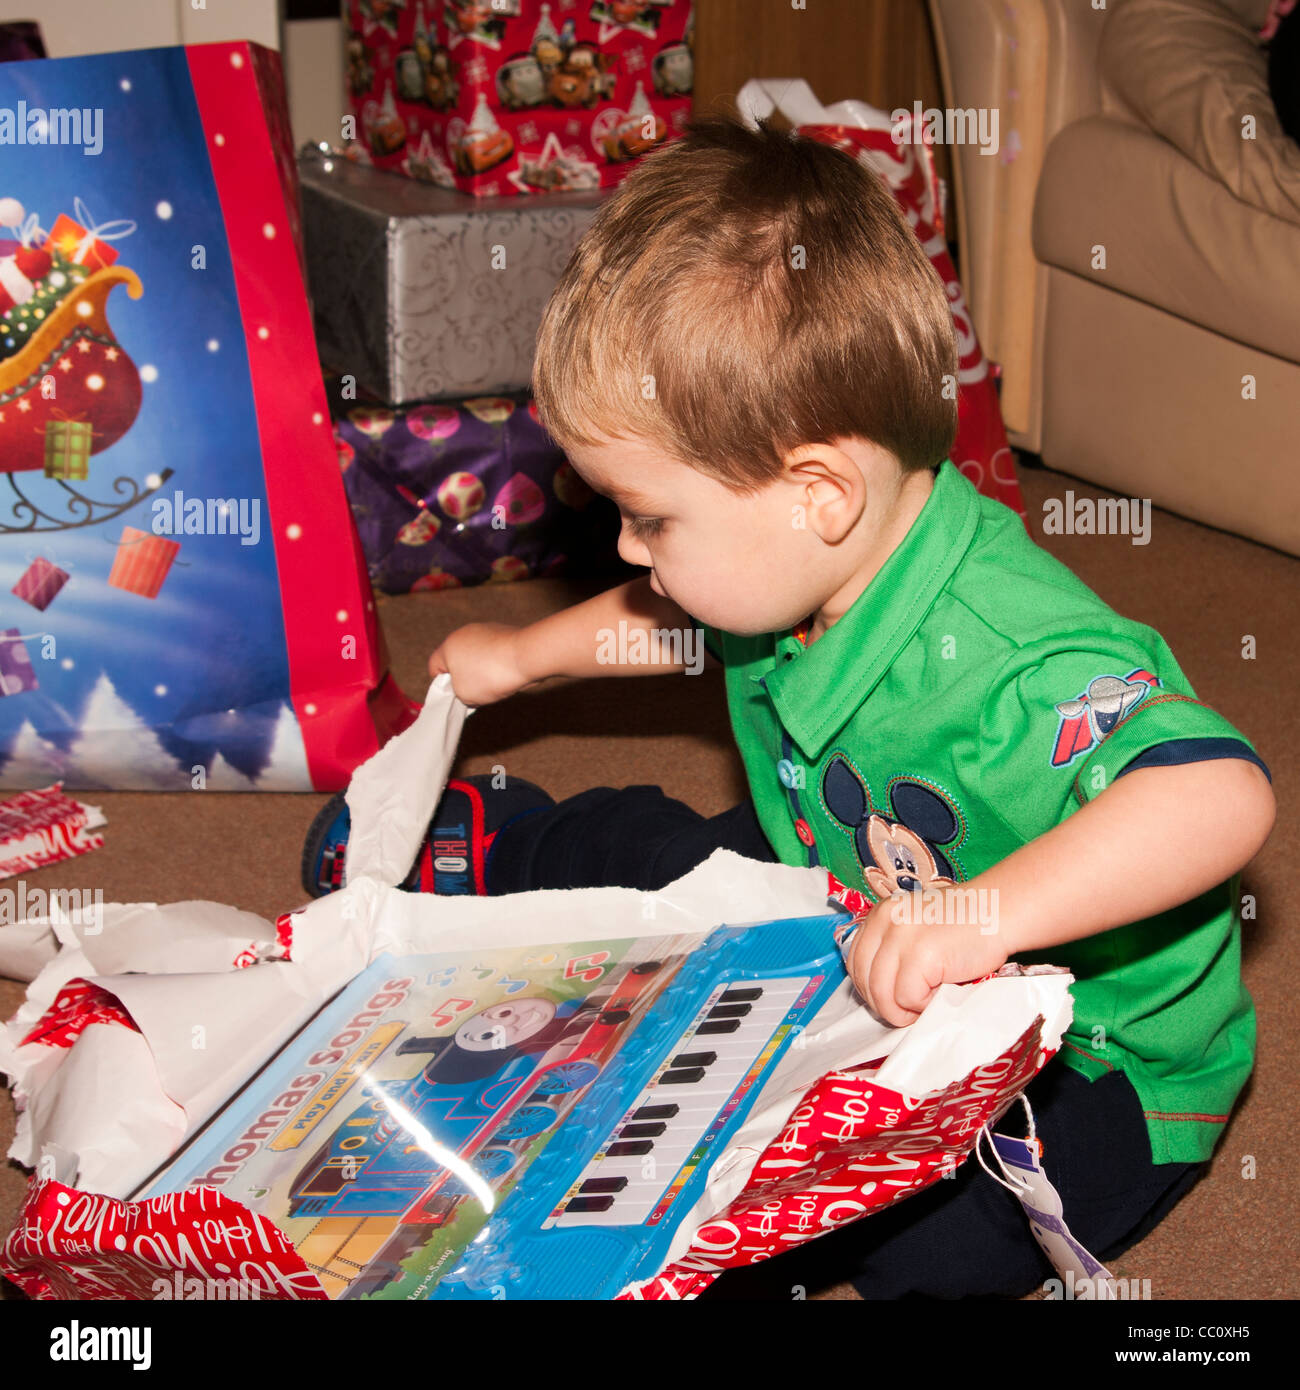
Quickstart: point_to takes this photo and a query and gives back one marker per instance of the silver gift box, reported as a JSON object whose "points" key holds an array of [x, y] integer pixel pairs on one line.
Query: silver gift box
{"points": [[421, 292]]}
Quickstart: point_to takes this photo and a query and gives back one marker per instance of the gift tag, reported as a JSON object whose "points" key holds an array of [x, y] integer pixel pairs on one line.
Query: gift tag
{"points": [[1083, 1276]]}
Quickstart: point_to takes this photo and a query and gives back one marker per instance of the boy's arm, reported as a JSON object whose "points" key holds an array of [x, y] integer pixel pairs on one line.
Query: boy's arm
{"points": [[608, 635], [611, 635], [1155, 838]]}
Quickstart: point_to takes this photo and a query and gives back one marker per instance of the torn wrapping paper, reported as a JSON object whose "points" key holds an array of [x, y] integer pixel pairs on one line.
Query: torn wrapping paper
{"points": [[43, 827], [181, 1027]]}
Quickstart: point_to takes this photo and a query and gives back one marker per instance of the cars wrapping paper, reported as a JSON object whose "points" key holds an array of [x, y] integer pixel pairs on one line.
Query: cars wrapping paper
{"points": [[517, 96], [184, 600]]}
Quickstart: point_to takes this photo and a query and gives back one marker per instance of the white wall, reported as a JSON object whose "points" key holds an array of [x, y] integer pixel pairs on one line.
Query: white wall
{"points": [[312, 48], [108, 26], [313, 63]]}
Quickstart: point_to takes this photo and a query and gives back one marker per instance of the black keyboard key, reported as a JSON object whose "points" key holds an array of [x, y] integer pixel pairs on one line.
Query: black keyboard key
{"points": [[685, 1077], [647, 1131], [695, 1059], [655, 1112], [594, 1185], [729, 1011], [721, 1025], [741, 996], [634, 1149], [581, 1204]]}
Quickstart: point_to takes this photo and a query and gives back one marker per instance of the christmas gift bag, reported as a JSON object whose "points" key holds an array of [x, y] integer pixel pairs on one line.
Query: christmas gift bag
{"points": [[898, 152], [468, 492], [422, 292], [517, 96], [160, 392]]}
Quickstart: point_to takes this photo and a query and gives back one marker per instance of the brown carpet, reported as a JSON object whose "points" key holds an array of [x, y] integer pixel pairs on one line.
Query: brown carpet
{"points": [[1233, 1236]]}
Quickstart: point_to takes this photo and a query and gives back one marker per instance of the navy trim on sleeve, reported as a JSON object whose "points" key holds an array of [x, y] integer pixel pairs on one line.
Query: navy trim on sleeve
{"points": [[1176, 751]]}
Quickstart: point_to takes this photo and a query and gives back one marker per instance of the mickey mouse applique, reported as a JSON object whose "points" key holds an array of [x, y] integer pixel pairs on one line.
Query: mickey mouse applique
{"points": [[903, 849]]}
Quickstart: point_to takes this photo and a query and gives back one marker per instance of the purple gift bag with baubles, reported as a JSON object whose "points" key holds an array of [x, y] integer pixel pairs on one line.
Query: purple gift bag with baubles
{"points": [[467, 492]]}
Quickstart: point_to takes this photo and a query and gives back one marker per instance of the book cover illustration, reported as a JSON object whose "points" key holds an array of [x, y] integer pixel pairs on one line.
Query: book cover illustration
{"points": [[386, 1133]]}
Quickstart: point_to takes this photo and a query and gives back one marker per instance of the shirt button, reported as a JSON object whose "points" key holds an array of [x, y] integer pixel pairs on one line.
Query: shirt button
{"points": [[785, 770], [804, 831]]}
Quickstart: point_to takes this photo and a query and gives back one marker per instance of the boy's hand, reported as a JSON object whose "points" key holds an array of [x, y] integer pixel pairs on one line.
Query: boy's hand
{"points": [[911, 944], [482, 661]]}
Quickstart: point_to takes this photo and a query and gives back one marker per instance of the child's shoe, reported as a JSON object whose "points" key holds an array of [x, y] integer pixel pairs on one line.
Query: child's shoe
{"points": [[454, 855]]}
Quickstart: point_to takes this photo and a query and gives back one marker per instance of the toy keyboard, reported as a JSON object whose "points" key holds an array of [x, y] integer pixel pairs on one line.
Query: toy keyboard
{"points": [[598, 1208]]}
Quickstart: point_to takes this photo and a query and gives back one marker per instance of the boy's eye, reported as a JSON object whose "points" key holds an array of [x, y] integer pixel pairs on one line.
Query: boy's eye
{"points": [[643, 527]]}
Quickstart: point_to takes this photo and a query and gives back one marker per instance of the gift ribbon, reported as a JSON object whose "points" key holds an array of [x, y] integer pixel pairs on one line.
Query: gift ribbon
{"points": [[30, 228], [62, 417], [31, 559], [148, 536], [27, 228], [106, 231]]}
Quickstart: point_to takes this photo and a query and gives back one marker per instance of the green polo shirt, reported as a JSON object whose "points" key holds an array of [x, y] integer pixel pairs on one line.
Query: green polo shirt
{"points": [[973, 697]]}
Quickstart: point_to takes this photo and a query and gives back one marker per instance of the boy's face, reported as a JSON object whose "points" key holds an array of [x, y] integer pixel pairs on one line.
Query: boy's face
{"points": [[739, 562]]}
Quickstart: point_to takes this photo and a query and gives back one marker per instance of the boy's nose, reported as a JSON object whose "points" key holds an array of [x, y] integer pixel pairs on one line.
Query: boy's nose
{"points": [[632, 550]]}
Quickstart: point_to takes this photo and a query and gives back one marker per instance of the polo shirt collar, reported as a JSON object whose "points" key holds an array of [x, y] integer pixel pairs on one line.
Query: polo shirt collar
{"points": [[818, 691]]}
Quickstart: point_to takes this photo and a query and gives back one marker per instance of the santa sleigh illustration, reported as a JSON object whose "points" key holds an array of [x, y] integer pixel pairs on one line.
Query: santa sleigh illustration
{"points": [[68, 389]]}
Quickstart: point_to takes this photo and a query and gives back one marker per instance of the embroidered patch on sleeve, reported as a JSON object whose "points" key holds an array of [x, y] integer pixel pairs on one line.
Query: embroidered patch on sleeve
{"points": [[1088, 718]]}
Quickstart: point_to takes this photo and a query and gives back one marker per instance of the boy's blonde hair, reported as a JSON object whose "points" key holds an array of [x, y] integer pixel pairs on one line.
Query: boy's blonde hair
{"points": [[683, 317]]}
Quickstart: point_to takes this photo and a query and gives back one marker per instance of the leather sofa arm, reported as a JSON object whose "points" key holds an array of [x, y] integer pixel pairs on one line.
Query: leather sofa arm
{"points": [[1035, 63]]}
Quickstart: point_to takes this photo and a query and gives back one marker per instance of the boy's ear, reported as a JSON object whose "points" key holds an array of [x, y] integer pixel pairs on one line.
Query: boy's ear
{"points": [[830, 488]]}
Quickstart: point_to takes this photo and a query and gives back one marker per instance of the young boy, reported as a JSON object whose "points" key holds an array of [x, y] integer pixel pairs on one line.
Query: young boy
{"points": [[749, 353]]}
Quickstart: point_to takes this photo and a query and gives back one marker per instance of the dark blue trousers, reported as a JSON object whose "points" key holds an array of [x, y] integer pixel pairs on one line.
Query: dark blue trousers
{"points": [[962, 1237]]}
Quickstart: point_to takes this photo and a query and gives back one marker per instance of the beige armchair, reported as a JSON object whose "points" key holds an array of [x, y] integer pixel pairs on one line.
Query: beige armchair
{"points": [[1132, 254]]}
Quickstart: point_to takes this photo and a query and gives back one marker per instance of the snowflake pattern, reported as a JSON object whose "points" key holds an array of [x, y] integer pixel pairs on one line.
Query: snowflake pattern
{"points": [[528, 133], [634, 60], [475, 72], [573, 127]]}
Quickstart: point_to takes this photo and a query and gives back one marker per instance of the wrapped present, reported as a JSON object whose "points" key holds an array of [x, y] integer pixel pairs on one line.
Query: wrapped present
{"points": [[421, 292], [470, 492], [87, 244], [16, 674], [517, 96], [68, 446], [40, 583], [142, 562]]}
